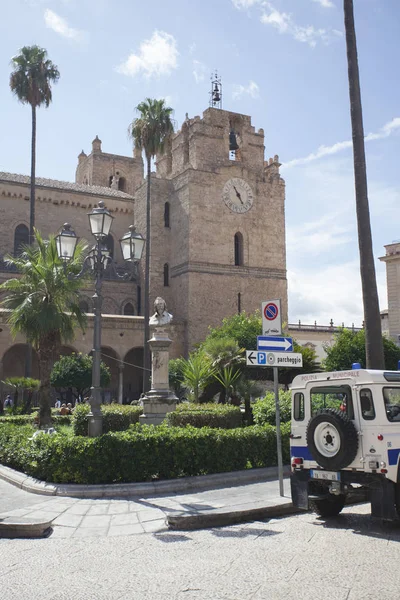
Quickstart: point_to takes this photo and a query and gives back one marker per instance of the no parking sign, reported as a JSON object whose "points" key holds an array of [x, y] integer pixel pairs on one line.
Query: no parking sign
{"points": [[271, 317]]}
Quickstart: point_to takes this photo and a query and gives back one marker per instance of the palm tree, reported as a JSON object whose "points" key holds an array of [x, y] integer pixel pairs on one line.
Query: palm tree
{"points": [[44, 306], [373, 332], [197, 372], [30, 82], [151, 131]]}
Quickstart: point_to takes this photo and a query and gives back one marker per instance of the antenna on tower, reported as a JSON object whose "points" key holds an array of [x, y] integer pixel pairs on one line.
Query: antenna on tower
{"points": [[216, 91]]}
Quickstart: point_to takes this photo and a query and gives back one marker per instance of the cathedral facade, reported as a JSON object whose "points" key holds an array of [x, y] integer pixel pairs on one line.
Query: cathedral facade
{"points": [[217, 237]]}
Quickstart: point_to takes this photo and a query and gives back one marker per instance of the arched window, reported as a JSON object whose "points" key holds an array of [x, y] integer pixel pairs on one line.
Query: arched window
{"points": [[238, 243], [122, 184], [166, 275], [139, 299], [128, 309], [84, 306], [21, 238], [166, 214], [109, 243]]}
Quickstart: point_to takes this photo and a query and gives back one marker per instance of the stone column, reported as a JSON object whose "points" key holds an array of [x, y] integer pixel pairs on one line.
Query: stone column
{"points": [[120, 382], [159, 400]]}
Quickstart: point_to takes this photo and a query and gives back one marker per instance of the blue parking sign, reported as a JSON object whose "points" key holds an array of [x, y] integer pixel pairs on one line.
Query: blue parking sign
{"points": [[262, 358]]}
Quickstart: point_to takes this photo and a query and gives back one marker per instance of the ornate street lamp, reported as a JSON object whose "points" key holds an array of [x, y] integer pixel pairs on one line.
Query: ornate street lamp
{"points": [[97, 261]]}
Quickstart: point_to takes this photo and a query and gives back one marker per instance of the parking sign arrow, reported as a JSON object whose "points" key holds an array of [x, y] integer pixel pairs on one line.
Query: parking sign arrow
{"points": [[275, 343]]}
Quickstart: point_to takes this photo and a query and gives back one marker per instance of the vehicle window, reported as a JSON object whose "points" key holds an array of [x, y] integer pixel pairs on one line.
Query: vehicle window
{"points": [[367, 405], [335, 396], [298, 409], [391, 396]]}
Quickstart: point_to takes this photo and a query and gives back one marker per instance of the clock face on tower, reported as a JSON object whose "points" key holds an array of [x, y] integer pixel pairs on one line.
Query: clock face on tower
{"points": [[237, 195]]}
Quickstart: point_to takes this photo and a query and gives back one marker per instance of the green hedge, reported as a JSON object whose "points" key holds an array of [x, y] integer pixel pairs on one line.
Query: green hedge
{"points": [[223, 416], [264, 409], [116, 417], [143, 453], [30, 419]]}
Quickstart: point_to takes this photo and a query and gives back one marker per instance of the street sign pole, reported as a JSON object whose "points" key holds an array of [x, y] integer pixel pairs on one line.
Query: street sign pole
{"points": [[278, 431]]}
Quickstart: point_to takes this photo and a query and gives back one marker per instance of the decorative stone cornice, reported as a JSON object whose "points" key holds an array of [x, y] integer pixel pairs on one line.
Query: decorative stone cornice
{"points": [[230, 270]]}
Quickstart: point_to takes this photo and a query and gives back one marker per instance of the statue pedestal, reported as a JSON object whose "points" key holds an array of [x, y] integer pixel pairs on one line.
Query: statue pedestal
{"points": [[159, 400]]}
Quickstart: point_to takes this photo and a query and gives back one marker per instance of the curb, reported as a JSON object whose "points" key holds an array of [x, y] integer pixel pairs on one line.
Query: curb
{"points": [[183, 484], [219, 517], [11, 528]]}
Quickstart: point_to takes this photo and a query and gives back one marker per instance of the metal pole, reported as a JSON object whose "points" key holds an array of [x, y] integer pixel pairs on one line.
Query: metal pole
{"points": [[278, 431], [95, 424]]}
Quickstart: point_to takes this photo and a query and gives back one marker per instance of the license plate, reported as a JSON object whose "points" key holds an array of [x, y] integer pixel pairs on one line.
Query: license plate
{"points": [[325, 475]]}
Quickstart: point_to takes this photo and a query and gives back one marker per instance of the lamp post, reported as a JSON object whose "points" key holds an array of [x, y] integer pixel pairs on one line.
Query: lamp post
{"points": [[97, 260]]}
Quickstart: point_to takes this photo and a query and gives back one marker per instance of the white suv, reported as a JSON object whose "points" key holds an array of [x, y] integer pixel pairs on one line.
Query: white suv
{"points": [[345, 430]]}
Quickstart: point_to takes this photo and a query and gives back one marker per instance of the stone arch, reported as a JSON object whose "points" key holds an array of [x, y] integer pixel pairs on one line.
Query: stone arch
{"points": [[238, 249], [167, 208], [110, 306], [14, 361], [133, 374], [128, 308], [21, 238], [122, 184], [166, 275], [67, 350]]}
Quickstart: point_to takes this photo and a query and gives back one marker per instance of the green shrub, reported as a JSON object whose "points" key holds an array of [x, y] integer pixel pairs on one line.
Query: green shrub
{"points": [[31, 419], [143, 453], [116, 417], [223, 416], [264, 410], [18, 419]]}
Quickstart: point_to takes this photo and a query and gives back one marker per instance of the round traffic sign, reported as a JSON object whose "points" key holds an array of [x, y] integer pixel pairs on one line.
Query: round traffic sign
{"points": [[271, 311]]}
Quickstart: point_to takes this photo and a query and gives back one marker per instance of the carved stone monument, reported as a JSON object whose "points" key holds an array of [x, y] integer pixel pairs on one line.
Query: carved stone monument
{"points": [[159, 400]]}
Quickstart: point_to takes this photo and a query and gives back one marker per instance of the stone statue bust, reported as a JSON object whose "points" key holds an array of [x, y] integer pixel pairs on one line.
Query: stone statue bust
{"points": [[161, 315]]}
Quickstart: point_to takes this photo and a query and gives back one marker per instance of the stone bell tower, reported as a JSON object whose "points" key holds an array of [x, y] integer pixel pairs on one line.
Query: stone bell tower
{"points": [[217, 223], [110, 170]]}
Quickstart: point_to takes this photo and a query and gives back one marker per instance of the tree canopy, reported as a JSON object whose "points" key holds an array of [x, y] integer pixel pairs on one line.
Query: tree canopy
{"points": [[349, 348], [75, 372], [32, 76]]}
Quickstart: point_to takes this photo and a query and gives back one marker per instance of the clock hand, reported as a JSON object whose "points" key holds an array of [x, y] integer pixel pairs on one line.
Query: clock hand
{"points": [[238, 195]]}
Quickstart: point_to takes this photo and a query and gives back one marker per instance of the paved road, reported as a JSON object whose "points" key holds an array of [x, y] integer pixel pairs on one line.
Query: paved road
{"points": [[292, 558]]}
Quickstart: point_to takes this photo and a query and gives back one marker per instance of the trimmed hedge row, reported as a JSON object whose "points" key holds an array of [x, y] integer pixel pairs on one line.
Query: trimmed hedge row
{"points": [[30, 419], [143, 453], [223, 416], [116, 417]]}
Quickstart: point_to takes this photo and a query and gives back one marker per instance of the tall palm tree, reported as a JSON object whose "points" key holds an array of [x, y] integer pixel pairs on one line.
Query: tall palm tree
{"points": [[31, 82], [44, 306], [373, 332], [150, 131]]}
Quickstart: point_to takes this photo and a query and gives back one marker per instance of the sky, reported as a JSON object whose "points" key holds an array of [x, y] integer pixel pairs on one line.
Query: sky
{"points": [[282, 62]]}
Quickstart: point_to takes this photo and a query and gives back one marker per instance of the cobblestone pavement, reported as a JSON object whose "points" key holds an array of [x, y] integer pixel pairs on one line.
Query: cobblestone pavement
{"points": [[77, 518], [292, 558]]}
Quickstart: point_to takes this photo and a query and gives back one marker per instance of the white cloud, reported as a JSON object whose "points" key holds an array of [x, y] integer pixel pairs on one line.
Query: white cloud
{"points": [[325, 3], [60, 26], [251, 90], [156, 57], [284, 23], [321, 235], [199, 71], [322, 151], [244, 3]]}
